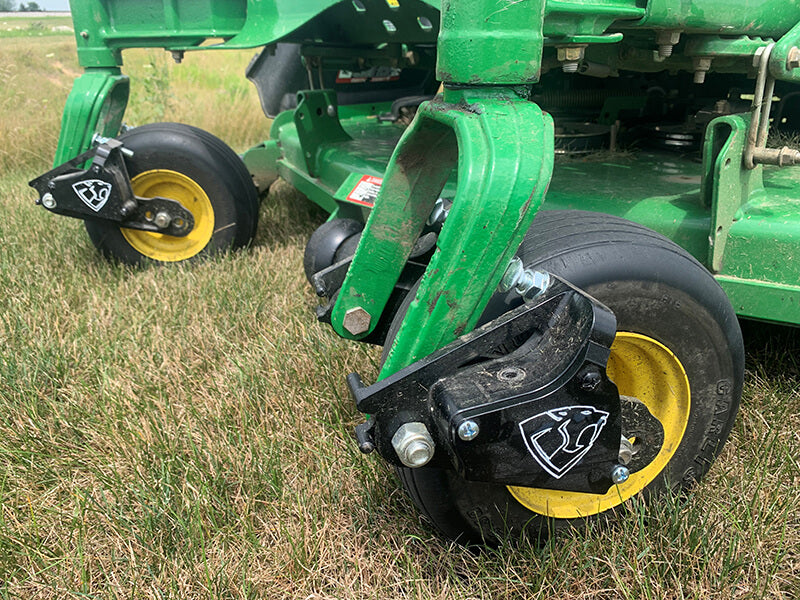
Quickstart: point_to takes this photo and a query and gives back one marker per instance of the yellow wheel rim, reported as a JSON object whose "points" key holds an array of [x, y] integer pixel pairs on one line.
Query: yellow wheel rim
{"points": [[645, 369], [175, 186]]}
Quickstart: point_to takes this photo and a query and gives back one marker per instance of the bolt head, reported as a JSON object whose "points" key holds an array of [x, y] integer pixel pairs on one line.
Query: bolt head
{"points": [[162, 220], [539, 282], [331, 110], [590, 380], [413, 444], [570, 53], [620, 474], [511, 276], [48, 201], [468, 430], [356, 320]]}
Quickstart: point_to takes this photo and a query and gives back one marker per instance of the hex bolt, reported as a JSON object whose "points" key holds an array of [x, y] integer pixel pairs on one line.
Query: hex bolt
{"points": [[666, 40], [793, 58], [590, 380], [177, 56], [620, 474], [570, 57], [48, 201], [127, 208], [468, 430], [625, 450], [162, 220], [413, 444], [528, 284], [702, 64], [331, 110], [438, 214], [356, 320]]}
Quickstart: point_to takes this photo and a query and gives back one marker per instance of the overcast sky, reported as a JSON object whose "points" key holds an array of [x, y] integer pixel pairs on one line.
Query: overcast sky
{"points": [[53, 4]]}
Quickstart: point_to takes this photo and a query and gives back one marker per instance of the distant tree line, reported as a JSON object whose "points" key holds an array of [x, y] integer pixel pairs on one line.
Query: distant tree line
{"points": [[9, 5]]}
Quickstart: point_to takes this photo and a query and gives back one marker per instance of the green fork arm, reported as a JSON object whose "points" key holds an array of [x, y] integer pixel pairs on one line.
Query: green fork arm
{"points": [[502, 146]]}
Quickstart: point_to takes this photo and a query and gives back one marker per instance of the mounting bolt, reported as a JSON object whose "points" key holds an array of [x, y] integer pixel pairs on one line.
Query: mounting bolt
{"points": [[620, 474], [468, 430], [570, 57], [438, 214], [590, 380], [793, 58], [413, 444], [162, 220], [48, 201], [331, 110], [177, 56], [666, 40], [127, 208], [528, 284], [625, 450], [702, 64], [356, 320]]}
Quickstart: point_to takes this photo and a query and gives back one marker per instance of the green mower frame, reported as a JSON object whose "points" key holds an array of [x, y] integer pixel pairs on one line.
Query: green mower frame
{"points": [[652, 118]]}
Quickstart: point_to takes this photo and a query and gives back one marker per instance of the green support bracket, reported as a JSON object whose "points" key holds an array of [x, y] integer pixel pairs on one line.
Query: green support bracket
{"points": [[96, 104], [503, 148], [262, 163], [317, 121], [726, 185]]}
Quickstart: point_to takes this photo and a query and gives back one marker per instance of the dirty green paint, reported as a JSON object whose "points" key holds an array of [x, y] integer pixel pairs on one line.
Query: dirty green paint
{"points": [[95, 104], [502, 147], [727, 184]]}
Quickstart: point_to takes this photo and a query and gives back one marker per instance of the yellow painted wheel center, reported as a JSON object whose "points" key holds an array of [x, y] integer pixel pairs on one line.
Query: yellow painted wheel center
{"points": [[175, 186], [645, 369]]}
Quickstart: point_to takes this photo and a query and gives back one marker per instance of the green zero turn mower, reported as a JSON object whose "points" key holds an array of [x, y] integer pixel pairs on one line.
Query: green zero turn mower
{"points": [[549, 213]]}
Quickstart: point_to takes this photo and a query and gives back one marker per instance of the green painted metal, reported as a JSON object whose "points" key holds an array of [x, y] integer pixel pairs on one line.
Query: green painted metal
{"points": [[763, 18], [262, 162], [511, 55], [96, 104], [317, 122], [727, 184], [502, 145]]}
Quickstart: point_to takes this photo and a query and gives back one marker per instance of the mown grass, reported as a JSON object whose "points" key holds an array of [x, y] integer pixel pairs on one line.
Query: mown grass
{"points": [[185, 432]]}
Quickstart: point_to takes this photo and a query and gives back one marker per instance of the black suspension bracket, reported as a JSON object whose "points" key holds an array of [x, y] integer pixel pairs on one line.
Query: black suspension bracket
{"points": [[103, 192], [523, 400]]}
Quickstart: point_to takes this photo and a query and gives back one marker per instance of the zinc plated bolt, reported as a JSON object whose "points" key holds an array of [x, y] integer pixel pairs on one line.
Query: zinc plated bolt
{"points": [[162, 220], [48, 201], [468, 430], [331, 110], [356, 320], [413, 444], [666, 40], [528, 284], [620, 474]]}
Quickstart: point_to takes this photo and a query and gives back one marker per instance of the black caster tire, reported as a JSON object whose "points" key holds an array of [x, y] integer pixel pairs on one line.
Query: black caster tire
{"points": [[331, 242], [678, 349], [196, 168]]}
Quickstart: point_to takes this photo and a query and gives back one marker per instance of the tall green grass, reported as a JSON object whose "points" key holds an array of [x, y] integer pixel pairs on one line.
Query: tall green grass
{"points": [[185, 432]]}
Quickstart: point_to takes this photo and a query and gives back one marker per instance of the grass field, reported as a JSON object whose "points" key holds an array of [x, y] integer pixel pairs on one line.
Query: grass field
{"points": [[186, 432]]}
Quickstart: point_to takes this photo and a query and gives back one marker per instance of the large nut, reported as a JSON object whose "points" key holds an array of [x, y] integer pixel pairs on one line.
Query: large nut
{"points": [[570, 53], [356, 320]]}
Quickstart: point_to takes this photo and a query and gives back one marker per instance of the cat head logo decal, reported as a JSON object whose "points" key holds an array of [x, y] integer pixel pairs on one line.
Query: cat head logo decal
{"points": [[559, 438], [93, 192]]}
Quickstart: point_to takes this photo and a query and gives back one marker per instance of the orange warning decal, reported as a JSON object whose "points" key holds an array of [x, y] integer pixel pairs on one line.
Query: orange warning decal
{"points": [[366, 191]]}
